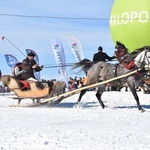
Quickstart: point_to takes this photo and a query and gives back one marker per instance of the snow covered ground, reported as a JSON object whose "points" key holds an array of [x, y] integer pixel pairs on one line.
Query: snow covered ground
{"points": [[121, 126]]}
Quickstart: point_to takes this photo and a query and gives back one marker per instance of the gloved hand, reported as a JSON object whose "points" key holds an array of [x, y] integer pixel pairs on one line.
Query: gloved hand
{"points": [[41, 66], [38, 69]]}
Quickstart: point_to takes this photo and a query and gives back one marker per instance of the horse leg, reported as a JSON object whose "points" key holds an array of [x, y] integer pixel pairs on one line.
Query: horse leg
{"points": [[133, 90], [80, 96], [99, 94]]}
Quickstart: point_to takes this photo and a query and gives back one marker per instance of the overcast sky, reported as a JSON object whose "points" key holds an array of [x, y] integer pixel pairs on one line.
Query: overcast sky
{"points": [[86, 20]]}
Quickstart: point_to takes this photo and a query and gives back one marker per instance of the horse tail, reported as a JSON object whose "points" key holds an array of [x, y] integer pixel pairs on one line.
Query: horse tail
{"points": [[84, 64]]}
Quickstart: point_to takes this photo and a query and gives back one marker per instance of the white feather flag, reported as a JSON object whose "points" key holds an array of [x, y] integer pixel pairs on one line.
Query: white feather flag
{"points": [[75, 46], [59, 57]]}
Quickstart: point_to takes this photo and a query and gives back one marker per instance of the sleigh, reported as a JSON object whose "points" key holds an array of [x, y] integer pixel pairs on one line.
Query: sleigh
{"points": [[29, 90]]}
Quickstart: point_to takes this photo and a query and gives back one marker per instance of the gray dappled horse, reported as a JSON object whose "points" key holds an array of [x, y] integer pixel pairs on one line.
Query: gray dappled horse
{"points": [[102, 71]]}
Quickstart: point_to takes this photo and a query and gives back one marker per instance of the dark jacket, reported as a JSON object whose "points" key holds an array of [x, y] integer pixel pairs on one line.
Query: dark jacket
{"points": [[27, 65], [101, 56]]}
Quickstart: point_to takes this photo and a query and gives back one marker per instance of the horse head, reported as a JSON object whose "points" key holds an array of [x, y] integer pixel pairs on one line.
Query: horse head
{"points": [[143, 57], [121, 51], [120, 47]]}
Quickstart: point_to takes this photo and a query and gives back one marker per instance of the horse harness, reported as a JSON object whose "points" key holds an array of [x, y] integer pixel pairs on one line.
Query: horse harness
{"points": [[125, 59], [115, 73], [127, 62]]}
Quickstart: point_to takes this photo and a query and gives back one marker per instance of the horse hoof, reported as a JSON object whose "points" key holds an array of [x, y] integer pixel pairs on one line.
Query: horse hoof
{"points": [[76, 105], [142, 110], [104, 106]]}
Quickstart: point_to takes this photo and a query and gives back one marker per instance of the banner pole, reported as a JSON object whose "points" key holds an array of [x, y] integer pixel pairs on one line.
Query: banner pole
{"points": [[13, 45]]}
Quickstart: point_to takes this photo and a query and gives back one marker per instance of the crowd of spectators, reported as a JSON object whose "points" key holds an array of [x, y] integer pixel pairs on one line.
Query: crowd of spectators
{"points": [[75, 83], [4, 89]]}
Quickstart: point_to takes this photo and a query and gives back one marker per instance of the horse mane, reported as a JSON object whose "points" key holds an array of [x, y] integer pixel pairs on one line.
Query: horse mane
{"points": [[85, 64], [136, 52], [139, 50]]}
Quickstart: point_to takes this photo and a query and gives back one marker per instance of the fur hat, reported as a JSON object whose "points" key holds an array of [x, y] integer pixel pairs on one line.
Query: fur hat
{"points": [[19, 63], [31, 54]]}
